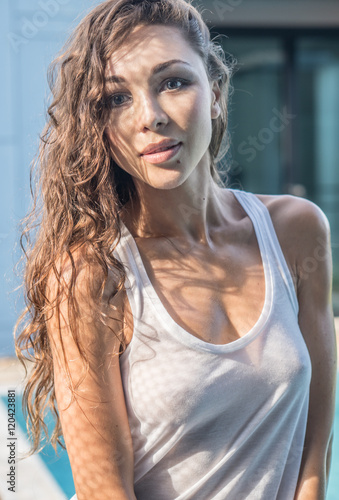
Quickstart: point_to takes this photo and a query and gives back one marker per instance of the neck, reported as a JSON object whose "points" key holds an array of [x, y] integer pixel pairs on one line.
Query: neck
{"points": [[186, 211]]}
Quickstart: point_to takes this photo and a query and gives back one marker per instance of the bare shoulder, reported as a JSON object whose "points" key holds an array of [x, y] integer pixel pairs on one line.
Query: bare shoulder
{"points": [[80, 296], [296, 219], [295, 213], [87, 274], [302, 228]]}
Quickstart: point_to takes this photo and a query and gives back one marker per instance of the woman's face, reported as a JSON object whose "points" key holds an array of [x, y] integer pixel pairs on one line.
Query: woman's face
{"points": [[151, 99]]}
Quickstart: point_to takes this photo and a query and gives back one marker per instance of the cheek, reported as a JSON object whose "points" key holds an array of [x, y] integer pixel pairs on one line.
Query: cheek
{"points": [[117, 140], [199, 118], [121, 152], [113, 140], [114, 133]]}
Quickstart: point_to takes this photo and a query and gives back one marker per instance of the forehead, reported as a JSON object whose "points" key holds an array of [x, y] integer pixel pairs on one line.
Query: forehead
{"points": [[149, 45]]}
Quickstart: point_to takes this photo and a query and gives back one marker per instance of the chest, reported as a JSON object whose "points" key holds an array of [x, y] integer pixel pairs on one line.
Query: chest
{"points": [[216, 296]]}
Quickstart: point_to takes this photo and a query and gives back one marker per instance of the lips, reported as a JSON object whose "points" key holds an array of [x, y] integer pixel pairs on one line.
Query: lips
{"points": [[163, 156], [160, 146]]}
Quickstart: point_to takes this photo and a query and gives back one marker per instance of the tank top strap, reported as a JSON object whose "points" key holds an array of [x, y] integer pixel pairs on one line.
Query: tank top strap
{"points": [[126, 251], [261, 218]]}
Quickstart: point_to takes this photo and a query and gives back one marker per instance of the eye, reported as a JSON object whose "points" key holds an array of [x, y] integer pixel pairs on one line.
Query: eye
{"points": [[116, 100], [176, 83]]}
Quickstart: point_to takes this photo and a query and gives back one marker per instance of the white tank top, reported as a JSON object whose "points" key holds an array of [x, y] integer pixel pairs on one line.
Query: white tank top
{"points": [[216, 421]]}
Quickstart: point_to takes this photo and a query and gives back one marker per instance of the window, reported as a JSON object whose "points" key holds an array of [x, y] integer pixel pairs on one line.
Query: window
{"points": [[284, 118]]}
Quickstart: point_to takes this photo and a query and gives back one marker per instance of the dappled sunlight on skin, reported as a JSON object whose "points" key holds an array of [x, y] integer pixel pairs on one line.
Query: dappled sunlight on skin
{"points": [[86, 429], [122, 152], [151, 112], [219, 303], [89, 429], [231, 287], [91, 403]]}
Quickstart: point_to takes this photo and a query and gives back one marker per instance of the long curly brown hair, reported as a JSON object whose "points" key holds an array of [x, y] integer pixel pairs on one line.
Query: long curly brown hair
{"points": [[78, 190]]}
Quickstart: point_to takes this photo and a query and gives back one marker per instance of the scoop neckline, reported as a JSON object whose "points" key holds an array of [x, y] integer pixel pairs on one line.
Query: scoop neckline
{"points": [[181, 333]]}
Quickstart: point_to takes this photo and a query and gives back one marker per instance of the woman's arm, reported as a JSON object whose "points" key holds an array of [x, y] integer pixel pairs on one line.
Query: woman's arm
{"points": [[303, 232], [95, 424], [314, 271]]}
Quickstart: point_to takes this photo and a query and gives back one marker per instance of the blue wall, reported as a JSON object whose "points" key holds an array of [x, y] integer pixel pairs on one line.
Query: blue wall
{"points": [[32, 32]]}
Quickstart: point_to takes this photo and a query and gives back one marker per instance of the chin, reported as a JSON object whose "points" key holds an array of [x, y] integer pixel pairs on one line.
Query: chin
{"points": [[167, 180]]}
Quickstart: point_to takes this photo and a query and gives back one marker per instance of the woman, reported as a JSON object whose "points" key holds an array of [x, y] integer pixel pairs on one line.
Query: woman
{"points": [[172, 319]]}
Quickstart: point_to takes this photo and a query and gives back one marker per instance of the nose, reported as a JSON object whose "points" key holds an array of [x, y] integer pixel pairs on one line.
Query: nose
{"points": [[151, 114]]}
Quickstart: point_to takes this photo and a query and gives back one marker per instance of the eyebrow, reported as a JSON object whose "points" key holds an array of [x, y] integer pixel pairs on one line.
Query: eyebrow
{"points": [[157, 69]]}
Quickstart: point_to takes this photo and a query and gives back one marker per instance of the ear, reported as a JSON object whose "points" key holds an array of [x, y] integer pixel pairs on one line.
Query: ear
{"points": [[215, 107]]}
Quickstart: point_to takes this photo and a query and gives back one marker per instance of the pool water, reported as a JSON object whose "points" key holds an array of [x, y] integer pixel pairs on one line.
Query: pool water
{"points": [[59, 466]]}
